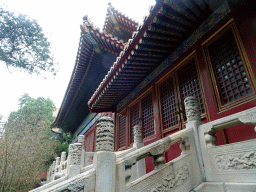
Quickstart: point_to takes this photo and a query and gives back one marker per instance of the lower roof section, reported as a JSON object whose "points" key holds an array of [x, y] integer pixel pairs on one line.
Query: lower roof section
{"points": [[170, 28], [87, 78]]}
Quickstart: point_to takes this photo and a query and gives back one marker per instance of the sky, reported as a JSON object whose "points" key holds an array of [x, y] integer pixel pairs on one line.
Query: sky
{"points": [[61, 22]]}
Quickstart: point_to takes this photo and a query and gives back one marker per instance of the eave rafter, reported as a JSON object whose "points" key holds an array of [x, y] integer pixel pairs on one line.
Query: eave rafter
{"points": [[167, 26]]}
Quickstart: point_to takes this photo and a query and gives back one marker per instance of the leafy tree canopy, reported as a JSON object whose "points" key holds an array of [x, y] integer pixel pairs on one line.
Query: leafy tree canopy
{"points": [[32, 109], [27, 147], [23, 44]]}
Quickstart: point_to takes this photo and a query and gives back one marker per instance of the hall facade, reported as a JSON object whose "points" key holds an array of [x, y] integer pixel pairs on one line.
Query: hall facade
{"points": [[201, 48]]}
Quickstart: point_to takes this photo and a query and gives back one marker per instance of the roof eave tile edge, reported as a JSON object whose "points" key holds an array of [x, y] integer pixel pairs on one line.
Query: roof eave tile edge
{"points": [[54, 124], [113, 11], [125, 53], [89, 25]]}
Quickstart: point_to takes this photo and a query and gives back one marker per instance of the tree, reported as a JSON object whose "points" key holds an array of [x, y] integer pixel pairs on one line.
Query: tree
{"points": [[23, 44], [30, 108], [1, 126], [27, 145]]}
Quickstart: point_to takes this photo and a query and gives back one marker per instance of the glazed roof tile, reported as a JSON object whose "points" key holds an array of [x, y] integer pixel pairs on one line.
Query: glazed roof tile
{"points": [[115, 20], [163, 30], [91, 38]]}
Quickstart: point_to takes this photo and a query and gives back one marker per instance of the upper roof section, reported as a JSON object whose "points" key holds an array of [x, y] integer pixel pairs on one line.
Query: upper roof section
{"points": [[104, 40], [96, 53], [166, 28], [118, 25]]}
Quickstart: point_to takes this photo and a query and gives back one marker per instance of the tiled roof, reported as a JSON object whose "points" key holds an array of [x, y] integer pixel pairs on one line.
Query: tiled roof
{"points": [[93, 47], [118, 24], [166, 27]]}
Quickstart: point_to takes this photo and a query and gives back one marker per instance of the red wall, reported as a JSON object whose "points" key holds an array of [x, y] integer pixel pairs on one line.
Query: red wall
{"points": [[245, 20]]}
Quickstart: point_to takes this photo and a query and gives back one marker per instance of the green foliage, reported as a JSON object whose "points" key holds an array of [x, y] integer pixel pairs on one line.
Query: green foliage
{"points": [[27, 147], [23, 44], [60, 147], [30, 109], [64, 139]]}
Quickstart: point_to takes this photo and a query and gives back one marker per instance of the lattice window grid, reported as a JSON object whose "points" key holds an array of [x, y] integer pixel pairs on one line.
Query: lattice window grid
{"points": [[168, 104], [190, 85], [228, 67], [147, 116], [122, 130]]}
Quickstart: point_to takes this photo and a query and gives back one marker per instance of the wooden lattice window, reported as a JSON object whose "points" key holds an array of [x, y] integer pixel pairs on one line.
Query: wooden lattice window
{"points": [[189, 84], [122, 130], [229, 70], [147, 116], [89, 142], [134, 119], [168, 104]]}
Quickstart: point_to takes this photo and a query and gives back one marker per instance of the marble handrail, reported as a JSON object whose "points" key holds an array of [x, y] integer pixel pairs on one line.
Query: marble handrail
{"points": [[158, 147], [247, 117]]}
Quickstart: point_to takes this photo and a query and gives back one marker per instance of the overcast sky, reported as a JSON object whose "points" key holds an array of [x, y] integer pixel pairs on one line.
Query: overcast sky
{"points": [[61, 22]]}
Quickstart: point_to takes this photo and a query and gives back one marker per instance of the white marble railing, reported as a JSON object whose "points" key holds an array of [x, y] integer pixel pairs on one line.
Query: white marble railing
{"points": [[201, 160], [234, 162], [173, 175]]}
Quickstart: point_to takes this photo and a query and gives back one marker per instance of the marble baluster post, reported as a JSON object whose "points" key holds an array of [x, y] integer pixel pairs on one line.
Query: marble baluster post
{"points": [[193, 114], [104, 160], [81, 139], [49, 174], [63, 156], [62, 160], [53, 170], [57, 169], [74, 159], [139, 169]]}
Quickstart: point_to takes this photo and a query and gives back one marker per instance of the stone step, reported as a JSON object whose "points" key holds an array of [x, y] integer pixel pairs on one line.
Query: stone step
{"points": [[225, 187]]}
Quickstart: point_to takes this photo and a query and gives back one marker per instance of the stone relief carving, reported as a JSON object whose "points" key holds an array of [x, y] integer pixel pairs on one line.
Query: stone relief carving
{"points": [[78, 185], [192, 109], [173, 181], [105, 134], [185, 145], [75, 154], [83, 184], [130, 162], [81, 139], [236, 161], [161, 149], [137, 134]]}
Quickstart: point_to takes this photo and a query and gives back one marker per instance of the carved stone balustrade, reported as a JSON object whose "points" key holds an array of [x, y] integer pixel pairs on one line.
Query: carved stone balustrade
{"points": [[238, 158], [155, 150], [76, 157], [139, 169], [63, 161], [247, 117]]}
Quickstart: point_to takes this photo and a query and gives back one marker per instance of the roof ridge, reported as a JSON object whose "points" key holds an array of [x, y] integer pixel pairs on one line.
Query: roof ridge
{"points": [[87, 24], [112, 11], [121, 55]]}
